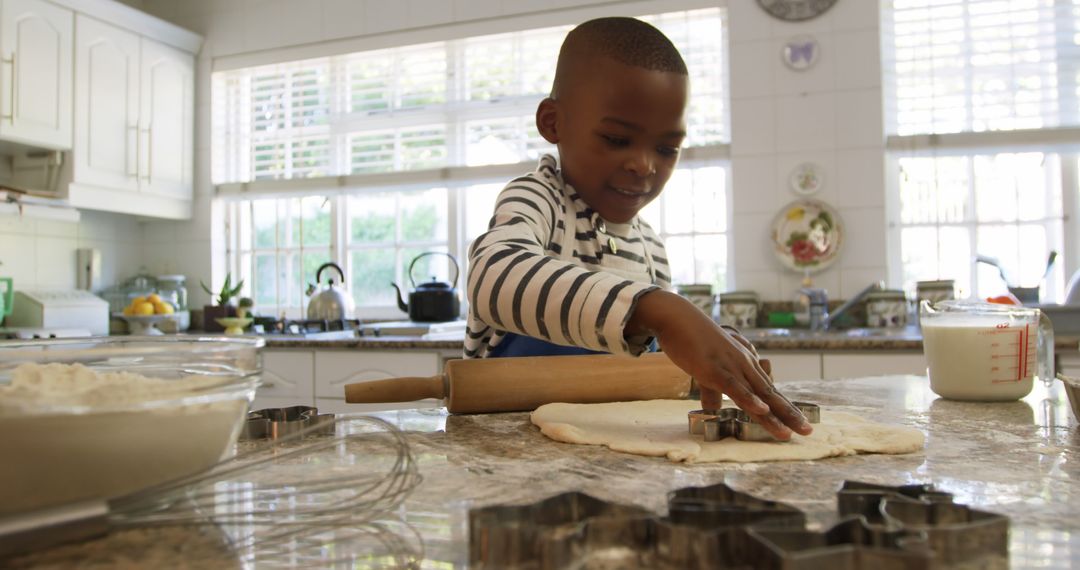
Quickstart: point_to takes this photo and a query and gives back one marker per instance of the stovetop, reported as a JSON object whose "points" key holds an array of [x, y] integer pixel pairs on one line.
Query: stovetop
{"points": [[309, 329]]}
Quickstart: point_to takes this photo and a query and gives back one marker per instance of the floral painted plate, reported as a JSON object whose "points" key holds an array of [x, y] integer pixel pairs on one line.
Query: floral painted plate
{"points": [[807, 235]]}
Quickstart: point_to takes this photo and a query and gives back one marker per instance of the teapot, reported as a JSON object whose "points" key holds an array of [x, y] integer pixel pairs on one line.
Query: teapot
{"points": [[434, 301], [331, 303], [985, 352]]}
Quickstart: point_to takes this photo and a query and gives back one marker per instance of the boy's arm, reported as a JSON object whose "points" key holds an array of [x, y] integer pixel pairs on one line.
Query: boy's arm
{"points": [[515, 286], [717, 361]]}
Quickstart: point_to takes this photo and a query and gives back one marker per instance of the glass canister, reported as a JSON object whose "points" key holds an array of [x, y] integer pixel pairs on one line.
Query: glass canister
{"points": [[886, 308], [172, 288], [700, 294], [739, 309]]}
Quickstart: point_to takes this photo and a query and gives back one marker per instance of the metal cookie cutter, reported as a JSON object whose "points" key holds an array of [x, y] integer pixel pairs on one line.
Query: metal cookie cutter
{"points": [[955, 533], [275, 423], [696, 420], [733, 422]]}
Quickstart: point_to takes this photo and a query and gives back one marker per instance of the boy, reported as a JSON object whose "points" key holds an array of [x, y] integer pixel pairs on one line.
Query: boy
{"points": [[567, 266]]}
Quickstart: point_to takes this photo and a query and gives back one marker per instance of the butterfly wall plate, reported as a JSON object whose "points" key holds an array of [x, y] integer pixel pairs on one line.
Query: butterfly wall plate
{"points": [[800, 53]]}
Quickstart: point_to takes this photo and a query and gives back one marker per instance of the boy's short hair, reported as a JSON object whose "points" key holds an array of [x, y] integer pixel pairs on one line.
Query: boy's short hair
{"points": [[628, 41]]}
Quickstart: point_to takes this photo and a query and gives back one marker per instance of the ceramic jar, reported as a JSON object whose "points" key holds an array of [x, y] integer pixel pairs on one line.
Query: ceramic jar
{"points": [[700, 294], [886, 308], [934, 291], [739, 309]]}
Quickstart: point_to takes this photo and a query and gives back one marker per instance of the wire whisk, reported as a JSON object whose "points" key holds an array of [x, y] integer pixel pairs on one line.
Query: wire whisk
{"points": [[300, 490]]}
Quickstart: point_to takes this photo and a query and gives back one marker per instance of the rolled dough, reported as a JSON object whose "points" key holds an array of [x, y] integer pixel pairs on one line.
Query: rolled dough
{"points": [[659, 428]]}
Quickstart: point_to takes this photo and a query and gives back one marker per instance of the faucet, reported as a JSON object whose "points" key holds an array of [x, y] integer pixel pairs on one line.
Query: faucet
{"points": [[820, 318], [819, 307]]}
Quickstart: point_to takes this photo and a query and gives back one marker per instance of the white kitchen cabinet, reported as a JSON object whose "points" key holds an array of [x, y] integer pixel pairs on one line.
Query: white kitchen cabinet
{"points": [[107, 109], [336, 368], [134, 120], [288, 379], [166, 120], [36, 73], [879, 363], [1068, 363], [792, 365]]}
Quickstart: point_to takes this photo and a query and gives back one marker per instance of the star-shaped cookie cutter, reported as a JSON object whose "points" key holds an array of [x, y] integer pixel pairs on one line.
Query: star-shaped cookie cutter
{"points": [[913, 527], [956, 532]]}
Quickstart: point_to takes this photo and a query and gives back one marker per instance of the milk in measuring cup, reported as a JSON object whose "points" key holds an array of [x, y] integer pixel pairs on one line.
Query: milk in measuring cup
{"points": [[980, 357]]}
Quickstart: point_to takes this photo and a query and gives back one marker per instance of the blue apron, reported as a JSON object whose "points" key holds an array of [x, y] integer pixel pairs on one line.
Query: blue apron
{"points": [[514, 344]]}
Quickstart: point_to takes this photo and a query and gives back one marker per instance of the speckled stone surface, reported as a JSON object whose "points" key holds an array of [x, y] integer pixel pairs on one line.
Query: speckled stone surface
{"points": [[1021, 459], [763, 339], [369, 343]]}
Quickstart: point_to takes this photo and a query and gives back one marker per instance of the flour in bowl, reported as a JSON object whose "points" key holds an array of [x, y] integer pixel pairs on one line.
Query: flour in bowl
{"points": [[75, 433], [55, 385]]}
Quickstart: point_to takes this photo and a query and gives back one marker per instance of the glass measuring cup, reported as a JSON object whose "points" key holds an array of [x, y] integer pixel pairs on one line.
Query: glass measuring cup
{"points": [[984, 351]]}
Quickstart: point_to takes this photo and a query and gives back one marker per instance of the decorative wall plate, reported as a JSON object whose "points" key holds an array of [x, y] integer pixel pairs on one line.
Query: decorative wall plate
{"points": [[796, 10], [806, 179], [800, 53], [807, 235]]}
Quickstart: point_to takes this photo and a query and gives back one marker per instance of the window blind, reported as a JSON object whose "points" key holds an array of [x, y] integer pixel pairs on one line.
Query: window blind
{"points": [[457, 103], [961, 66]]}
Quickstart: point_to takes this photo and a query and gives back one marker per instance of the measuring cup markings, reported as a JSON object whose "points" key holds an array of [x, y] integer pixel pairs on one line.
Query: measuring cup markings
{"points": [[1019, 353]]}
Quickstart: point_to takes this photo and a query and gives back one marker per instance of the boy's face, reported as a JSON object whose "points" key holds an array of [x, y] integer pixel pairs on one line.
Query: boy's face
{"points": [[618, 129]]}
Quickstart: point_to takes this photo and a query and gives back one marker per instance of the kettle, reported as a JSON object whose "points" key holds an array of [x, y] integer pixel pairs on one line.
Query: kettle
{"points": [[434, 301], [331, 303]]}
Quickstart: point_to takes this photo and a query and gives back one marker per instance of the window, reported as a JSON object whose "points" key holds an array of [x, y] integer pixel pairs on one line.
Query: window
{"points": [[368, 159], [983, 103]]}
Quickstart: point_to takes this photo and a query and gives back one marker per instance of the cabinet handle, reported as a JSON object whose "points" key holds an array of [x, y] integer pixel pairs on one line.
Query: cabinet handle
{"points": [[11, 89], [127, 156], [149, 151], [145, 131]]}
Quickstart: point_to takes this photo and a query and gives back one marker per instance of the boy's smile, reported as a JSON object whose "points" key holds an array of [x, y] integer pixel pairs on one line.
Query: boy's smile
{"points": [[618, 128]]}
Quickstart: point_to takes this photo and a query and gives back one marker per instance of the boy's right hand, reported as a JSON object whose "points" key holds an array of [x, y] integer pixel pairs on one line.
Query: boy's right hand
{"points": [[716, 360]]}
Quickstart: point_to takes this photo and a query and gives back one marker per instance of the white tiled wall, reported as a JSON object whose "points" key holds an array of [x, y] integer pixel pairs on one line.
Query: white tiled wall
{"points": [[41, 253], [830, 114]]}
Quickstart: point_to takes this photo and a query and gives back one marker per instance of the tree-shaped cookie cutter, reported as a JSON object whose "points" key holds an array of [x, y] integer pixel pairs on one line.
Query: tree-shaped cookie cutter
{"points": [[911, 527], [715, 425]]}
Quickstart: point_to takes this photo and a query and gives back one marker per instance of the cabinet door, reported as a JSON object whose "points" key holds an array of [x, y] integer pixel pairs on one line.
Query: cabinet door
{"points": [[35, 75], [166, 120], [106, 105], [792, 365], [834, 366], [288, 379], [336, 368]]}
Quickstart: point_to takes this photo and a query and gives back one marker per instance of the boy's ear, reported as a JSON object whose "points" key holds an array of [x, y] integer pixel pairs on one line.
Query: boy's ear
{"points": [[547, 120]]}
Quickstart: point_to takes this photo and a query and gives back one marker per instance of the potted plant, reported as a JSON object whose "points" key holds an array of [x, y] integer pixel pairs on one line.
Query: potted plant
{"points": [[244, 308], [224, 306]]}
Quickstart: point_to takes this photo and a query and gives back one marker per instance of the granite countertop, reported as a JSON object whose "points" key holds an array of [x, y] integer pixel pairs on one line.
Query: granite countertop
{"points": [[764, 339], [1020, 459]]}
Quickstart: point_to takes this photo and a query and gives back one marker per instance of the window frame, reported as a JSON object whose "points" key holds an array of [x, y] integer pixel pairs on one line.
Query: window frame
{"points": [[454, 178], [1058, 140]]}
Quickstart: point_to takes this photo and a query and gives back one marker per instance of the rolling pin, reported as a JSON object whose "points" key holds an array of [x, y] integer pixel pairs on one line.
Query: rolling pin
{"points": [[525, 383]]}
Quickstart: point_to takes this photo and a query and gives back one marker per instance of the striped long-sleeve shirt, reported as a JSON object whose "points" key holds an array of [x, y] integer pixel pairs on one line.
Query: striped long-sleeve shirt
{"points": [[550, 267]]}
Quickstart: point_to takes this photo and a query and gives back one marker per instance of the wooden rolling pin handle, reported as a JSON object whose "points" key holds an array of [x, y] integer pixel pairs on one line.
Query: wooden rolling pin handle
{"points": [[407, 389]]}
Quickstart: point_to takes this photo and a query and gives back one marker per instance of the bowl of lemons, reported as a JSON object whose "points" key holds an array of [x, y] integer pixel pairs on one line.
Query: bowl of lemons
{"points": [[144, 314]]}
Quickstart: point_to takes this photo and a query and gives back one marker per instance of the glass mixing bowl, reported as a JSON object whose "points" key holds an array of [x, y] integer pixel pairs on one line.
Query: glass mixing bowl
{"points": [[89, 418]]}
